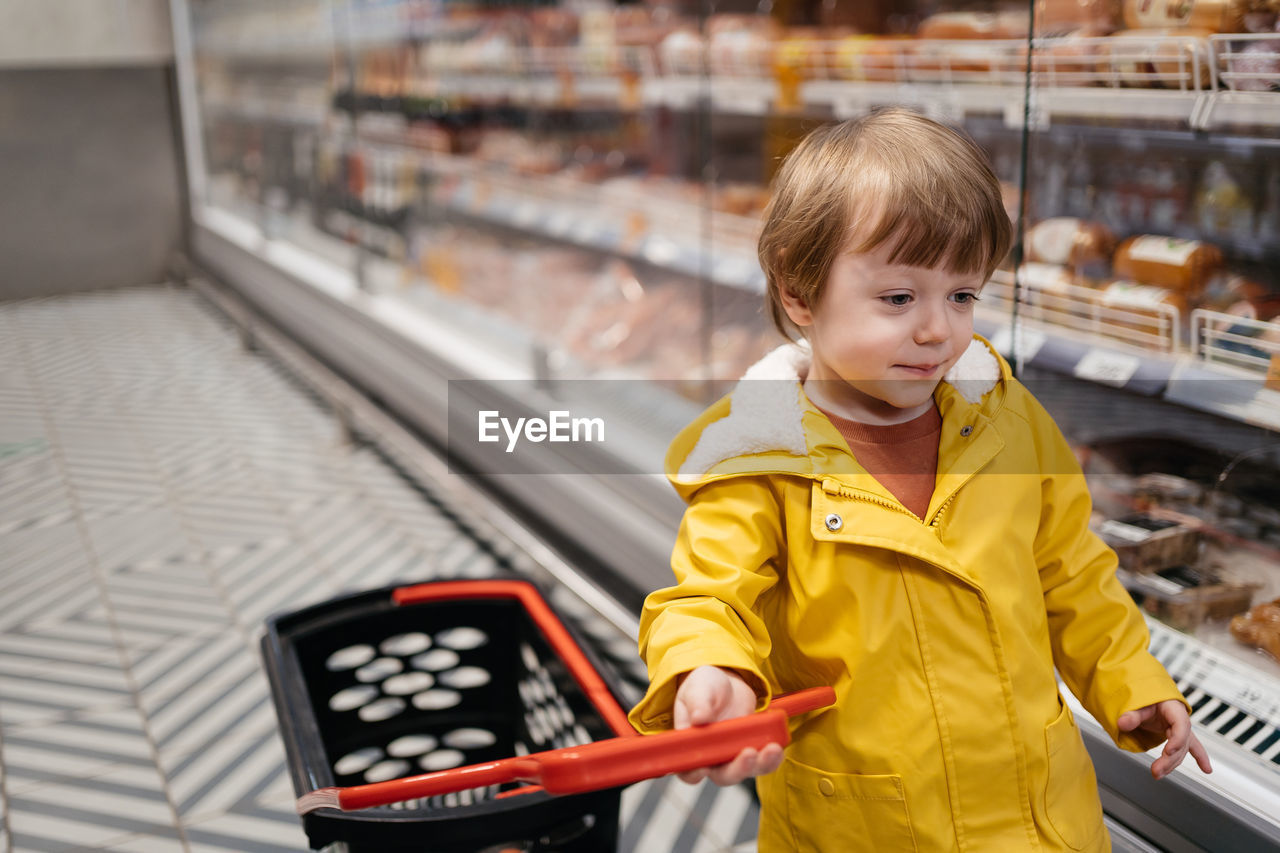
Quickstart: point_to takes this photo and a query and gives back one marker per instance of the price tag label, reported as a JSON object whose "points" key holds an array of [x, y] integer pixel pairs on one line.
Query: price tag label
{"points": [[1107, 367], [1029, 341]]}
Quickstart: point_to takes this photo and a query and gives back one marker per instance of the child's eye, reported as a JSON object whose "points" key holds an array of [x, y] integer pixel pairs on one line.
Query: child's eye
{"points": [[965, 298], [897, 299]]}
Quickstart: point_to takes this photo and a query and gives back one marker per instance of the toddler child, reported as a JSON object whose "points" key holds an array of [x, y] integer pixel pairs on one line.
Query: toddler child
{"points": [[883, 508]]}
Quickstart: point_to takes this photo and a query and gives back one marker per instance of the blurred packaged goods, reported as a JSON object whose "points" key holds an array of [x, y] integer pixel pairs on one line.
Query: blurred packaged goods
{"points": [[1145, 543], [1215, 16], [1260, 628], [1180, 265], [1160, 58], [1185, 598], [1086, 247], [1007, 24], [741, 45], [1099, 16]]}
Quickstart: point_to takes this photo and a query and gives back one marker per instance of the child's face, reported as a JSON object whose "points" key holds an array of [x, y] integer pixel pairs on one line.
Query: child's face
{"points": [[884, 335]]}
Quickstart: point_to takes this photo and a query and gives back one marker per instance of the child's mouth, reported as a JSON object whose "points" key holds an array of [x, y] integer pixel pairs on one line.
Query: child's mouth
{"points": [[918, 369]]}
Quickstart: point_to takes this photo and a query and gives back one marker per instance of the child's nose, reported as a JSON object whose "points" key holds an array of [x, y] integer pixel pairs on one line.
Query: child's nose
{"points": [[933, 327]]}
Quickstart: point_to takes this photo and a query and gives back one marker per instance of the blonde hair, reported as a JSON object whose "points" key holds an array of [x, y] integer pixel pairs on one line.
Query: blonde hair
{"points": [[891, 178]]}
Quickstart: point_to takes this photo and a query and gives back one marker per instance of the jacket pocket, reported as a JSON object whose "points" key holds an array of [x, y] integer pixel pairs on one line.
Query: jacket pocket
{"points": [[1071, 789], [845, 812]]}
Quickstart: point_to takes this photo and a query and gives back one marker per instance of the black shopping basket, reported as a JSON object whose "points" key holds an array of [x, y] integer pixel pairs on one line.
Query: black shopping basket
{"points": [[413, 718]]}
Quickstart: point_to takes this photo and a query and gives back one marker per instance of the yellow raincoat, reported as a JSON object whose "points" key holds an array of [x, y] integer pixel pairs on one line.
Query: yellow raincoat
{"points": [[940, 634]]}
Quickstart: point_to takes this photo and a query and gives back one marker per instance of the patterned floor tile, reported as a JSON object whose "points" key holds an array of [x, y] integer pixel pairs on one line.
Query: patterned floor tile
{"points": [[161, 493], [139, 536], [141, 843], [257, 832]]}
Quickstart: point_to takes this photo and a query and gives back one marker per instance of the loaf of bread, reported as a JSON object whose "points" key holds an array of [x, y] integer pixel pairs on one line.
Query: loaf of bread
{"points": [[1058, 15], [975, 25], [1259, 627], [1218, 16], [1181, 265], [1068, 241], [1165, 58], [1141, 308]]}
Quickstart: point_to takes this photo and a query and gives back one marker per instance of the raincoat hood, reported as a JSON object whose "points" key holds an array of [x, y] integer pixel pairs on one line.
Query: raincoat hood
{"points": [[768, 425]]}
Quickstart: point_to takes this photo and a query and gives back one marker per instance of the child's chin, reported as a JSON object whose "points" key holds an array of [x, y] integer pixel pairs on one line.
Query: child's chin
{"points": [[911, 394]]}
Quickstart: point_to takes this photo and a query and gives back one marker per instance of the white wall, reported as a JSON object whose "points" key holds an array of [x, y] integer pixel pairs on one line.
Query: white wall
{"points": [[89, 161], [84, 33]]}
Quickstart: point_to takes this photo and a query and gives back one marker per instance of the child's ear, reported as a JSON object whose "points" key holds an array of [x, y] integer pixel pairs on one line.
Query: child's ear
{"points": [[797, 310]]}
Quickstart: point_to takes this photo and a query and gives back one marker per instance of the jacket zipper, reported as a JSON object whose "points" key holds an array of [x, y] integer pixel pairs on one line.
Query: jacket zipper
{"points": [[878, 501], [937, 518], [853, 493]]}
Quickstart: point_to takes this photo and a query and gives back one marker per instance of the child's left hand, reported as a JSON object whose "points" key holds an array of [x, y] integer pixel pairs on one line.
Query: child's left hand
{"points": [[1170, 719]]}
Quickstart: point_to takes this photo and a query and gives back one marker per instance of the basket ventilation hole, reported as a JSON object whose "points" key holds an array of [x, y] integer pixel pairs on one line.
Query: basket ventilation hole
{"points": [[441, 759], [462, 638], [411, 745], [410, 682], [352, 697], [349, 658], [358, 761], [384, 770], [464, 677], [383, 709], [436, 660], [379, 669], [436, 700], [405, 644], [529, 657], [470, 738]]}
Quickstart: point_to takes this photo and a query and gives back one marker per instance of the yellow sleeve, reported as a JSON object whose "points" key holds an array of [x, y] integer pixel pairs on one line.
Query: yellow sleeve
{"points": [[728, 553], [1099, 637]]}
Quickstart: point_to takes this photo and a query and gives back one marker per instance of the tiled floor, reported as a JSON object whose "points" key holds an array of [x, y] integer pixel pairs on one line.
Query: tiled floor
{"points": [[161, 491]]}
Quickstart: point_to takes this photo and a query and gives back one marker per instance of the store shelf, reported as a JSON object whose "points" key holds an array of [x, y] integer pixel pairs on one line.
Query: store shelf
{"points": [[611, 217], [296, 112]]}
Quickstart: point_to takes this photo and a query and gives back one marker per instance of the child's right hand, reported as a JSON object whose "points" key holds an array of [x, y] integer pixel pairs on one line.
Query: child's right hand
{"points": [[709, 694]]}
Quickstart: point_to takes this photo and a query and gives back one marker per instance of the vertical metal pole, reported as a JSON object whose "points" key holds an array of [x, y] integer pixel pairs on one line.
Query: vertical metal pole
{"points": [[1022, 194], [188, 105], [361, 270], [707, 174]]}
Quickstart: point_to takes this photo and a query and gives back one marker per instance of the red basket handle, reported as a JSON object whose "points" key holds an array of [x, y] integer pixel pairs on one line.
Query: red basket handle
{"points": [[593, 766]]}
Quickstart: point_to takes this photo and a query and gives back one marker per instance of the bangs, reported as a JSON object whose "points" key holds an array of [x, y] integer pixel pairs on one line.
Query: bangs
{"points": [[930, 227]]}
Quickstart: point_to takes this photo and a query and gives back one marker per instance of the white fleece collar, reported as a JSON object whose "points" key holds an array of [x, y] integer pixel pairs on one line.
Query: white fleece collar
{"points": [[767, 416]]}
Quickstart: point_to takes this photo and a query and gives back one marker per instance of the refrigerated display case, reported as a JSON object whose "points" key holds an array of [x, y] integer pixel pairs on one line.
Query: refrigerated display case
{"points": [[491, 206]]}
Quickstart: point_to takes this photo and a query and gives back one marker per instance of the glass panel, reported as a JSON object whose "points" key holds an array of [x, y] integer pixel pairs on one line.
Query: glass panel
{"points": [[263, 79], [1151, 263]]}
